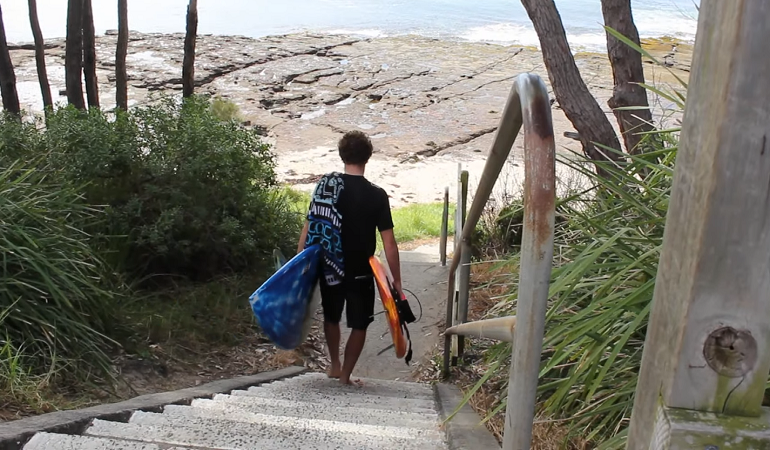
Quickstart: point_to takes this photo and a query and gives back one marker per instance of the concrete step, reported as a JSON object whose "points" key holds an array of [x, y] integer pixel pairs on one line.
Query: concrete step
{"points": [[312, 410], [323, 423], [321, 431], [409, 386], [322, 383], [252, 398], [52, 441], [340, 398], [212, 434]]}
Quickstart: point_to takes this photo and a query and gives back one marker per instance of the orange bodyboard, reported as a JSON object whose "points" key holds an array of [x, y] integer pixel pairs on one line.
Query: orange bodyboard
{"points": [[389, 303]]}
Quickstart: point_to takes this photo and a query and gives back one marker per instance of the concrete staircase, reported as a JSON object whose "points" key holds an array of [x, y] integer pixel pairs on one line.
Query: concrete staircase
{"points": [[308, 411]]}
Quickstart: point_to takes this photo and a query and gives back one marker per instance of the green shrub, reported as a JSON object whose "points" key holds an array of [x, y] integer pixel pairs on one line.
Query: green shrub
{"points": [[91, 197], [186, 193], [55, 291], [224, 109]]}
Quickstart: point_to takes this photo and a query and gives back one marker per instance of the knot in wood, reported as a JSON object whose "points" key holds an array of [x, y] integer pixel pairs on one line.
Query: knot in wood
{"points": [[730, 352]]}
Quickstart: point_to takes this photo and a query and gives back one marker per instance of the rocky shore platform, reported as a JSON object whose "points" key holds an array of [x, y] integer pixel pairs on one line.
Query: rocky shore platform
{"points": [[427, 104]]}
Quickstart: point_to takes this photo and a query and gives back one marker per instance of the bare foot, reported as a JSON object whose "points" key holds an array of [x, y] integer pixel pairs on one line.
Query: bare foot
{"points": [[350, 382], [334, 372]]}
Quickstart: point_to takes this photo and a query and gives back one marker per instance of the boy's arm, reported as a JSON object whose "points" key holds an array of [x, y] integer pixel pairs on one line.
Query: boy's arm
{"points": [[385, 225], [303, 237], [391, 254]]}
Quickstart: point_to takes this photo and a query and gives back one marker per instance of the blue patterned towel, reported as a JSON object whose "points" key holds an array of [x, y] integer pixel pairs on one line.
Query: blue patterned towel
{"points": [[326, 226]]}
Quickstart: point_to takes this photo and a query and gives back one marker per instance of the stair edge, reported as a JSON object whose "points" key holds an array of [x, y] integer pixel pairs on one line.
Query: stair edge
{"points": [[15, 434], [465, 430]]}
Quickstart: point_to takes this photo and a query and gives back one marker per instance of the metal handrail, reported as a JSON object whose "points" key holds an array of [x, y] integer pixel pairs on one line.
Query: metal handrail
{"points": [[528, 106]]}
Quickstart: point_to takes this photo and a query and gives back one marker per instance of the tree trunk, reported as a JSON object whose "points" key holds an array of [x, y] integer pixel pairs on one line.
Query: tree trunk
{"points": [[7, 75], [627, 72], [42, 72], [121, 76], [580, 107], [73, 55], [89, 55], [188, 65]]}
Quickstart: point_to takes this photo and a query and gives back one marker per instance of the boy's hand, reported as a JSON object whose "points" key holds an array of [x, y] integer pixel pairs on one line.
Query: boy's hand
{"points": [[397, 287]]}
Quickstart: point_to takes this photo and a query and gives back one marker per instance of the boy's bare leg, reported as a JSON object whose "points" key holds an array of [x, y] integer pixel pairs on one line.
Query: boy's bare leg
{"points": [[332, 332], [352, 351]]}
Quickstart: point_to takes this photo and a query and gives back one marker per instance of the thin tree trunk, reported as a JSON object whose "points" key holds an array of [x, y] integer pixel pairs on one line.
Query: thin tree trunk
{"points": [[42, 72], [73, 59], [580, 107], [89, 55], [188, 65], [7, 74], [121, 76], [627, 72]]}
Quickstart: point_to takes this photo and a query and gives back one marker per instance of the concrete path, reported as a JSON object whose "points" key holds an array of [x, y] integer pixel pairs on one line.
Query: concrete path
{"points": [[424, 276]]}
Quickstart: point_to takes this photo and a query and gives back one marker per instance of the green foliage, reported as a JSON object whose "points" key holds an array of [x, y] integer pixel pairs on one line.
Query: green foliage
{"points": [[56, 293], [186, 193], [94, 198], [224, 109], [420, 221]]}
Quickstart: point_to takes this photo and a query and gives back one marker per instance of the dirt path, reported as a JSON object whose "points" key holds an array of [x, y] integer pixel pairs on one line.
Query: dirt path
{"points": [[424, 276]]}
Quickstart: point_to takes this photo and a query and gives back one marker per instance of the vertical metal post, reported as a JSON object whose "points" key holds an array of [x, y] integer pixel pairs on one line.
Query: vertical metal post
{"points": [[536, 260], [462, 190], [464, 271]]}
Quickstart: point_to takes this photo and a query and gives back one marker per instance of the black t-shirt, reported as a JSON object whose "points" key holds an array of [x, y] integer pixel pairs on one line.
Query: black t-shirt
{"points": [[365, 209]]}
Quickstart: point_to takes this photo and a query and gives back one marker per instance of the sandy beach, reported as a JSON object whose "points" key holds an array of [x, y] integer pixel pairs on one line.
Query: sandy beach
{"points": [[428, 104]]}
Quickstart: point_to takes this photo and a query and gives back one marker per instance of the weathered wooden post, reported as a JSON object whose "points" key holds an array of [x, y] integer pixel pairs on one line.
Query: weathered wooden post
{"points": [[459, 220], [707, 352]]}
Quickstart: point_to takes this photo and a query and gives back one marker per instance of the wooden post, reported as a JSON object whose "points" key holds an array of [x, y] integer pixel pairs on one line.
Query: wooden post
{"points": [[73, 58], [7, 74], [706, 356], [121, 75], [188, 65], [444, 228], [42, 73]]}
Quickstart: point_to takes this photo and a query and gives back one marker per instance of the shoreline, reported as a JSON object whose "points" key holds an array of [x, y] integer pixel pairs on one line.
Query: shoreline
{"points": [[427, 103]]}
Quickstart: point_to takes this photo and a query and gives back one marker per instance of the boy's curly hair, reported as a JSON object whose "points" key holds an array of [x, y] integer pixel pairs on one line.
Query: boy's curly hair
{"points": [[355, 147]]}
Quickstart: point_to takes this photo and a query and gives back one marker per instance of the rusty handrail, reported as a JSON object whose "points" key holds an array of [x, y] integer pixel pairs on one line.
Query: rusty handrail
{"points": [[528, 106]]}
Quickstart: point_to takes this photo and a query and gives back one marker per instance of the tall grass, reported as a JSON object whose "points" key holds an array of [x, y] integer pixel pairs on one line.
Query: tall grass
{"points": [[420, 221], [56, 292]]}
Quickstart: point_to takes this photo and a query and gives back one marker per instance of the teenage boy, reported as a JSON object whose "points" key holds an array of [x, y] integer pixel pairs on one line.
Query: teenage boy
{"points": [[346, 211]]}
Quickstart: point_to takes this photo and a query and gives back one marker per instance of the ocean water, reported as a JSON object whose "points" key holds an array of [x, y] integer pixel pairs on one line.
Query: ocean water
{"points": [[497, 21]]}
